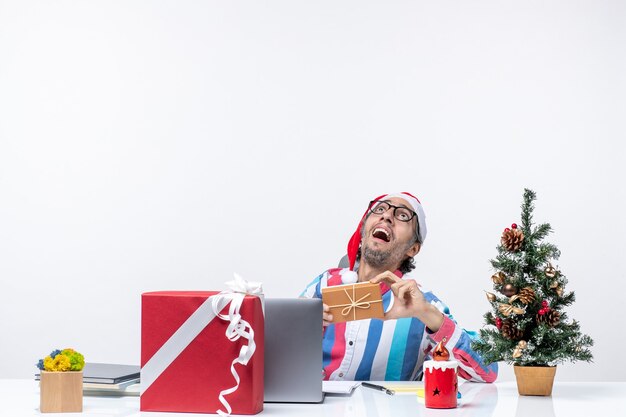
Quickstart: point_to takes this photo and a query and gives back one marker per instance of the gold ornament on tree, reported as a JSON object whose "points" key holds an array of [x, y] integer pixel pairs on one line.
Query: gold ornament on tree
{"points": [[512, 239], [498, 278], [521, 345], [550, 271], [508, 309], [490, 296], [556, 287]]}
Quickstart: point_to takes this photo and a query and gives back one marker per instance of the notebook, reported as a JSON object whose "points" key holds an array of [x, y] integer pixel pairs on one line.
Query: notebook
{"points": [[293, 350], [130, 388]]}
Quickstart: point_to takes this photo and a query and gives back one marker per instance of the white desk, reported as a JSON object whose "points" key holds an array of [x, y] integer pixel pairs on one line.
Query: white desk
{"points": [[20, 398]]}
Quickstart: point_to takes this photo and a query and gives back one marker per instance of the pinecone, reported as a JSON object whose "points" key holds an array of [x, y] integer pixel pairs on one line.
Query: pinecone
{"points": [[512, 239], [526, 295], [551, 318], [510, 331]]}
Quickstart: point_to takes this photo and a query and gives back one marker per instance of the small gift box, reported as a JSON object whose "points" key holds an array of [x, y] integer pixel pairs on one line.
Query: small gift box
{"points": [[202, 352], [354, 302]]}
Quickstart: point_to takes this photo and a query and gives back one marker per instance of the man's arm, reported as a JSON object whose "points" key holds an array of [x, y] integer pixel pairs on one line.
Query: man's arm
{"points": [[313, 289], [471, 364], [411, 302]]}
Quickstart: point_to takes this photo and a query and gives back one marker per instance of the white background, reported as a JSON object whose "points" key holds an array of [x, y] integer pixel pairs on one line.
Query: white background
{"points": [[152, 145]]}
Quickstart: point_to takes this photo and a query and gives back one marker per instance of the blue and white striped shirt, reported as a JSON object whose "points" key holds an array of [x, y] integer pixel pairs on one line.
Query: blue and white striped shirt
{"points": [[392, 350]]}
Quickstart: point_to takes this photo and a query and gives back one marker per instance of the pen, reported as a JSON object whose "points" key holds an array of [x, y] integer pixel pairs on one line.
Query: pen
{"points": [[378, 387]]}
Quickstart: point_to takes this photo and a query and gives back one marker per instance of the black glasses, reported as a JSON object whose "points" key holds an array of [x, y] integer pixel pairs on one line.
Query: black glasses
{"points": [[400, 213]]}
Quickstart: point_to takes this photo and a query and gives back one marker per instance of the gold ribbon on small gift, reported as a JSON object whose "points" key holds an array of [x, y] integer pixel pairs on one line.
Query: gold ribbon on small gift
{"points": [[354, 304]]}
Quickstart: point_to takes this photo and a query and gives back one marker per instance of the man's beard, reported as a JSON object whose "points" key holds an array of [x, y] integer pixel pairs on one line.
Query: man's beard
{"points": [[379, 258]]}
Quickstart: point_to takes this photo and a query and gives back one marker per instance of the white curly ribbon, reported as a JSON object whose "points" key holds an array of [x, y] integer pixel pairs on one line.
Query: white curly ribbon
{"points": [[200, 318], [237, 328]]}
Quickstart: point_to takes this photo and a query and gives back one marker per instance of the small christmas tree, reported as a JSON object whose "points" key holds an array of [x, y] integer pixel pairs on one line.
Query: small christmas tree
{"points": [[528, 325]]}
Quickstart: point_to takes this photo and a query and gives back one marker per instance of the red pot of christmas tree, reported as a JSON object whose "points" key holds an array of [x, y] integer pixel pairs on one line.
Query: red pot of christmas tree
{"points": [[527, 326]]}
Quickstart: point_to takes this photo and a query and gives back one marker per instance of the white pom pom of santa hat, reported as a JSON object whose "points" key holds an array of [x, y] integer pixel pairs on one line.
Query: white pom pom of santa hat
{"points": [[349, 277]]}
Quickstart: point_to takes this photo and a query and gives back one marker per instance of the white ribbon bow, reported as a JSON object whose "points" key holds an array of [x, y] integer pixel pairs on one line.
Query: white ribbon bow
{"points": [[237, 327]]}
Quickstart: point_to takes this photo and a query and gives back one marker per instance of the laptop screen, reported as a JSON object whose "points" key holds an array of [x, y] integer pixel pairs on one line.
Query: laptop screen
{"points": [[293, 350]]}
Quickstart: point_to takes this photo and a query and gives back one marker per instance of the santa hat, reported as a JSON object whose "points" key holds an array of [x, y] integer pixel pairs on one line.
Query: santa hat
{"points": [[355, 240]]}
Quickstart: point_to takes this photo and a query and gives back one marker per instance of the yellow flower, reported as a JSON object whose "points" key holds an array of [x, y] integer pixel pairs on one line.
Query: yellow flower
{"points": [[60, 363], [47, 363]]}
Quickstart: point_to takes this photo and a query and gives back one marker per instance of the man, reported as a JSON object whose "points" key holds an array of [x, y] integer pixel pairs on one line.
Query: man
{"points": [[389, 235]]}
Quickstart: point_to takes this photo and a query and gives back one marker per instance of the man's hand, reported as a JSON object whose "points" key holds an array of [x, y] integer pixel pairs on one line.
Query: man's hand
{"points": [[327, 318], [409, 301]]}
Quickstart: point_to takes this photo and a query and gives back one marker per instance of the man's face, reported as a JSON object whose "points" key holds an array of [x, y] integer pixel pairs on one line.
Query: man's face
{"points": [[387, 241]]}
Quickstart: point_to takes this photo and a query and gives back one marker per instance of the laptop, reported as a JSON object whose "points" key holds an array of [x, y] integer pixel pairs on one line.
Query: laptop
{"points": [[293, 350]]}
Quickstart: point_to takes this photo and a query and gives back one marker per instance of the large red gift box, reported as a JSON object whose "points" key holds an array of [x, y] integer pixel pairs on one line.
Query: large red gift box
{"points": [[187, 364]]}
